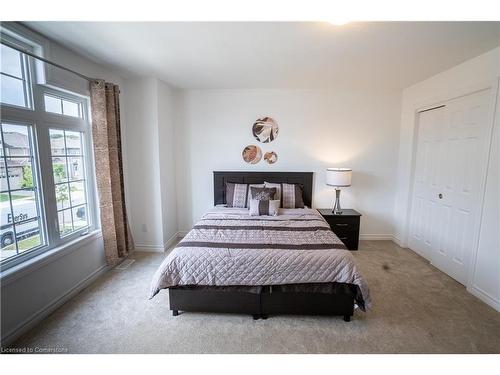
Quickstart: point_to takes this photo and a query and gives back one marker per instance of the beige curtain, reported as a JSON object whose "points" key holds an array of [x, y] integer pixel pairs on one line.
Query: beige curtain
{"points": [[104, 98]]}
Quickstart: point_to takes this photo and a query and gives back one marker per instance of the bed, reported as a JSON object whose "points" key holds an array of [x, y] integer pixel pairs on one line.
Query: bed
{"points": [[262, 265]]}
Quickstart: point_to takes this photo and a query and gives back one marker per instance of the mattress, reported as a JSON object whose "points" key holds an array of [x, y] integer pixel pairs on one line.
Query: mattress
{"points": [[228, 247]]}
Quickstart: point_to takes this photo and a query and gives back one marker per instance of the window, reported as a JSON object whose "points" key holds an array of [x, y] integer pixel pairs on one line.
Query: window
{"points": [[14, 78], [69, 180], [46, 179], [62, 106], [21, 228]]}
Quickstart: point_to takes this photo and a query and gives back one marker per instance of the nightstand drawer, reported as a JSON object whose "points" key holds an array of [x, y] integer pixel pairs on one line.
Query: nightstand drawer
{"points": [[351, 242], [348, 231], [342, 221]]}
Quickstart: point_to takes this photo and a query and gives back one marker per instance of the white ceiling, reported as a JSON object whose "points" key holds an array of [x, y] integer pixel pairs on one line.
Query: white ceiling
{"points": [[277, 54]]}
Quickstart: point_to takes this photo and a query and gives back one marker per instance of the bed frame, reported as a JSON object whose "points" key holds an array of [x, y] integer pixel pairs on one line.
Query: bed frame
{"points": [[262, 301]]}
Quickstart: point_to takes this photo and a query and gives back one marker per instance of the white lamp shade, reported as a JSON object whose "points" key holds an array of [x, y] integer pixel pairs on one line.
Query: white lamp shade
{"points": [[338, 177]]}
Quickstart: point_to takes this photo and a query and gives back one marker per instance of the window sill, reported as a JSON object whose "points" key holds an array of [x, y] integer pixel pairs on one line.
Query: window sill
{"points": [[18, 271]]}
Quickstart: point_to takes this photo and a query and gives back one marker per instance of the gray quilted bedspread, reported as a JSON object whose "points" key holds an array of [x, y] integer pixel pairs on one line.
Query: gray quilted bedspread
{"points": [[229, 247]]}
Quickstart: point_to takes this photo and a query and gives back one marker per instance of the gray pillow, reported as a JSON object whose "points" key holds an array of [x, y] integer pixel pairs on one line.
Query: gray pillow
{"points": [[290, 195], [262, 193], [264, 207], [236, 195]]}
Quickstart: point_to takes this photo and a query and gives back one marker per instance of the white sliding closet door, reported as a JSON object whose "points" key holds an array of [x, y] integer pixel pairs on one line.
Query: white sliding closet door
{"points": [[450, 159]]}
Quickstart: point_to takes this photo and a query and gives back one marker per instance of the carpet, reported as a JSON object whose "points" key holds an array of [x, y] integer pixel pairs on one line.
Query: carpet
{"points": [[416, 309]]}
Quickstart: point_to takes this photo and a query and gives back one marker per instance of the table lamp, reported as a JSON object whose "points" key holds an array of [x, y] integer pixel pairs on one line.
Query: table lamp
{"points": [[338, 177]]}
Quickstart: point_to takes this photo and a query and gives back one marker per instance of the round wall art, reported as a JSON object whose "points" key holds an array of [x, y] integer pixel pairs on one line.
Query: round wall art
{"points": [[252, 154], [271, 157], [265, 129]]}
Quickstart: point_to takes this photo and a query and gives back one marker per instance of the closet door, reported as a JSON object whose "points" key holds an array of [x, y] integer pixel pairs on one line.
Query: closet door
{"points": [[450, 160]]}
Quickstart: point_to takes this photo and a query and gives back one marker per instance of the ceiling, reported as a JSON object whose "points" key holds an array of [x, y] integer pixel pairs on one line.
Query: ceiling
{"points": [[277, 54]]}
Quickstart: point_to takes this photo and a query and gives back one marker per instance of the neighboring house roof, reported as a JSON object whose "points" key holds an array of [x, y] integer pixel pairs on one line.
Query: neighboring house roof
{"points": [[19, 140], [15, 140], [71, 142]]}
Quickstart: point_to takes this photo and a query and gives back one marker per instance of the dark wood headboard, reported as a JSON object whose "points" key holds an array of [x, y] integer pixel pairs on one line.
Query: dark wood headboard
{"points": [[303, 178]]}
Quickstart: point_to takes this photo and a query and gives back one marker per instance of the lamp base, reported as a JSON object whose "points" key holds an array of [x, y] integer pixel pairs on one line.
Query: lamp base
{"points": [[336, 208]]}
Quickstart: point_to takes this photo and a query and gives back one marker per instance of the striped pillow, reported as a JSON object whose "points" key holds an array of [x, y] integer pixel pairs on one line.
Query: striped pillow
{"points": [[264, 207], [238, 195], [290, 195]]}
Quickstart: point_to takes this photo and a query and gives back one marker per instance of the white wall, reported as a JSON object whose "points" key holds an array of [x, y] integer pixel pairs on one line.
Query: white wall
{"points": [[474, 74], [166, 118], [32, 295], [318, 129], [149, 173]]}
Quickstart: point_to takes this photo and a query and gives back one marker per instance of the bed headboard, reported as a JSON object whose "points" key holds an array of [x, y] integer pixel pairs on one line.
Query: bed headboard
{"points": [[220, 179]]}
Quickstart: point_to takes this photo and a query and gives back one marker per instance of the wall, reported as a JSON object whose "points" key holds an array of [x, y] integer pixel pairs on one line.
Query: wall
{"points": [[318, 129], [149, 174], [30, 296], [166, 97], [479, 72]]}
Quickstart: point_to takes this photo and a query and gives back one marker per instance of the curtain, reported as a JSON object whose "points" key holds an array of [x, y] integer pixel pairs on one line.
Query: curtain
{"points": [[105, 107]]}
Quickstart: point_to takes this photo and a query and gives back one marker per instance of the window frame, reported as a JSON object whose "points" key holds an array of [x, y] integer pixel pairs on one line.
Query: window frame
{"points": [[27, 69], [41, 122]]}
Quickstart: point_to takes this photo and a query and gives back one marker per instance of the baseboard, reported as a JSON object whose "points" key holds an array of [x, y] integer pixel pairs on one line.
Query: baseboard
{"points": [[149, 248], [376, 237], [485, 297], [171, 241], [398, 241], [41, 314], [160, 248]]}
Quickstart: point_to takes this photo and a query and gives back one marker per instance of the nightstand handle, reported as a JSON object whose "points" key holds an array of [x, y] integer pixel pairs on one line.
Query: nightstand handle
{"points": [[342, 225], [342, 238]]}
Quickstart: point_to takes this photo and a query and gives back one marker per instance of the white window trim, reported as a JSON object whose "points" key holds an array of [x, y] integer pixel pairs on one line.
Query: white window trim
{"points": [[41, 121], [17, 271]]}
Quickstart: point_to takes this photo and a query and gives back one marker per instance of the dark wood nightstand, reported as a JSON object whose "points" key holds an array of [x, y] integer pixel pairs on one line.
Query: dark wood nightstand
{"points": [[345, 225]]}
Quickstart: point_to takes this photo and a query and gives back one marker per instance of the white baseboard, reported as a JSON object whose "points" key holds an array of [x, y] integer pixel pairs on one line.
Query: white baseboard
{"points": [[41, 314], [485, 297], [149, 248], [376, 237], [160, 248], [171, 241], [398, 241]]}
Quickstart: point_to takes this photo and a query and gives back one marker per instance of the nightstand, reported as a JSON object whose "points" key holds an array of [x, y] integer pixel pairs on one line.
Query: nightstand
{"points": [[345, 225]]}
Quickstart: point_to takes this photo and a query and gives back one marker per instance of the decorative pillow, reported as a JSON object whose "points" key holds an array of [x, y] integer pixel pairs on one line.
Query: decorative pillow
{"points": [[249, 196], [290, 195], [264, 207], [236, 195], [278, 189], [262, 194]]}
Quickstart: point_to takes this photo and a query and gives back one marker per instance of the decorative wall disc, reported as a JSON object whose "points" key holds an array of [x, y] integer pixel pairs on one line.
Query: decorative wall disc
{"points": [[252, 154], [265, 129], [271, 157]]}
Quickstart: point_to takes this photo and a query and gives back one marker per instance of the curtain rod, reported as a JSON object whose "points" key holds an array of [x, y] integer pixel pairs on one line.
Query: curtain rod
{"points": [[22, 50]]}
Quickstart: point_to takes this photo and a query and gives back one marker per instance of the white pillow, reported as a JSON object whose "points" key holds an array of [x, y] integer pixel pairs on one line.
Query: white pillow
{"points": [[264, 208]]}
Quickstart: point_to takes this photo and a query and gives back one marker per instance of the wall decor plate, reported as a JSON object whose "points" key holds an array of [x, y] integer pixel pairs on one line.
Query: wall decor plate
{"points": [[252, 154], [271, 157], [265, 129]]}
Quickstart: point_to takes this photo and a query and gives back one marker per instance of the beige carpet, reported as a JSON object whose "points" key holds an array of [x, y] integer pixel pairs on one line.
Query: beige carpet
{"points": [[417, 309]]}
